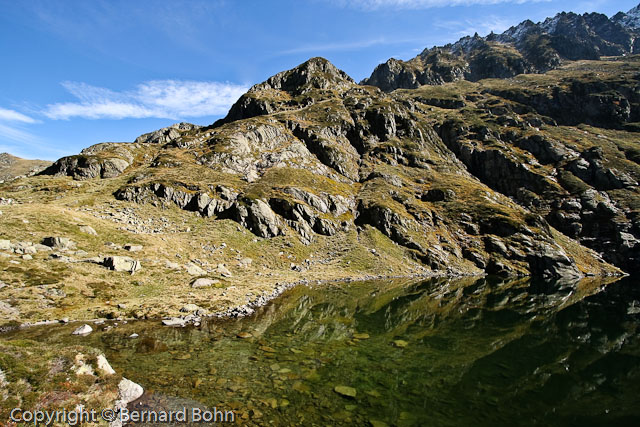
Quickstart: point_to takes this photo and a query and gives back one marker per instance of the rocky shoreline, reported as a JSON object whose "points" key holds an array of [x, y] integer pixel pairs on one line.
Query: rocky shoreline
{"points": [[232, 312]]}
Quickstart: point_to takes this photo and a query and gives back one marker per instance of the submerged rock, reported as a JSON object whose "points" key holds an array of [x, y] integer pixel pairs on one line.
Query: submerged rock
{"points": [[345, 391]]}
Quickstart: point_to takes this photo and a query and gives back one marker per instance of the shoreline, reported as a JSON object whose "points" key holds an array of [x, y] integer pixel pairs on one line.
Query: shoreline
{"points": [[262, 300], [238, 310]]}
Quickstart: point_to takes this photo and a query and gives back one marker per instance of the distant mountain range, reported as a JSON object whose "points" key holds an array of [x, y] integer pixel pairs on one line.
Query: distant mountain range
{"points": [[526, 48]]}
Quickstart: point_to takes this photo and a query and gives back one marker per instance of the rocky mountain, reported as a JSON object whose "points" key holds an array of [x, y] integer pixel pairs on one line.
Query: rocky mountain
{"points": [[12, 166], [311, 153], [312, 177], [526, 48]]}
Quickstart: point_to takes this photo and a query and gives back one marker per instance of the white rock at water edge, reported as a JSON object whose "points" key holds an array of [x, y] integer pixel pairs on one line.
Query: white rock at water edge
{"points": [[83, 330], [129, 391]]}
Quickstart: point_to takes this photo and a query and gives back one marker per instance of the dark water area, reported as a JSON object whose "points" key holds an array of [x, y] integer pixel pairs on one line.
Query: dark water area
{"points": [[442, 352]]}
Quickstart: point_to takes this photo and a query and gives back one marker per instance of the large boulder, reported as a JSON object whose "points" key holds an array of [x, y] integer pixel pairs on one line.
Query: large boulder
{"points": [[122, 263]]}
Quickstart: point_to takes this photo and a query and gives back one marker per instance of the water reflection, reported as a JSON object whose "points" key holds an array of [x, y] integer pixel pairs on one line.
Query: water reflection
{"points": [[439, 352]]}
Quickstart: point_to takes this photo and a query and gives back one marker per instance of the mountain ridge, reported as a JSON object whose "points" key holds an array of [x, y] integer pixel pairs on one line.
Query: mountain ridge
{"points": [[525, 48], [12, 167]]}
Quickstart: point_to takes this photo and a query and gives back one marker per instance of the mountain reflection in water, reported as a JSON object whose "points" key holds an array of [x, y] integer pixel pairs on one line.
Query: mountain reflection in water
{"points": [[443, 352]]}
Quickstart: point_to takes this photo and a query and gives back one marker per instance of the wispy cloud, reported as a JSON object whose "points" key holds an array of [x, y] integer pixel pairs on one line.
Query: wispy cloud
{"points": [[420, 4], [469, 27], [350, 45], [14, 116], [171, 99], [12, 127]]}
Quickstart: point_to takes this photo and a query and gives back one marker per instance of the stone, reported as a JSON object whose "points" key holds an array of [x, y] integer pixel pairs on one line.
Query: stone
{"points": [[83, 330], [244, 335], [194, 270], [104, 366], [190, 308], [172, 265], [223, 271], [87, 229], [27, 257], [5, 245], [128, 391], [552, 262], [345, 391], [58, 242], [121, 263], [8, 311], [204, 282], [132, 248], [29, 250], [400, 343], [174, 321]]}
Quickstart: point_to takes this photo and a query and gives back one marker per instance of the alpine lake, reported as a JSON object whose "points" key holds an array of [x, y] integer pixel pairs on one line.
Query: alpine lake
{"points": [[439, 352]]}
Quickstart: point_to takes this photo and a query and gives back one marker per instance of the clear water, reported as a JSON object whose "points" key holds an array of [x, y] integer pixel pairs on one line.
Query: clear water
{"points": [[464, 352]]}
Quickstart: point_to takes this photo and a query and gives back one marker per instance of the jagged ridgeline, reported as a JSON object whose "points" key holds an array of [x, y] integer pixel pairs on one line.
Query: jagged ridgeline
{"points": [[467, 177], [526, 48]]}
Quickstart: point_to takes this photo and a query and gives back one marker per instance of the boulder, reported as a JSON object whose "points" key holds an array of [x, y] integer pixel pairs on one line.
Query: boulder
{"points": [[223, 271], [83, 330], [174, 321], [87, 229], [194, 270], [203, 282], [132, 248], [128, 391], [58, 242], [122, 263], [552, 262]]}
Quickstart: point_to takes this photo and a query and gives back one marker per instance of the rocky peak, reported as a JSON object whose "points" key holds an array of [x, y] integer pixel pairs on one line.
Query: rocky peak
{"points": [[316, 73], [630, 20], [298, 87], [525, 48]]}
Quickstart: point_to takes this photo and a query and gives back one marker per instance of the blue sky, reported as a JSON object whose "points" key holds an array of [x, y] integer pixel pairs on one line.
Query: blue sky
{"points": [[75, 73]]}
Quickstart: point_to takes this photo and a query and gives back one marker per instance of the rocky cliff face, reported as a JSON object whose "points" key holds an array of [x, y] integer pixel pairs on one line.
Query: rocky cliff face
{"points": [[526, 48], [458, 181]]}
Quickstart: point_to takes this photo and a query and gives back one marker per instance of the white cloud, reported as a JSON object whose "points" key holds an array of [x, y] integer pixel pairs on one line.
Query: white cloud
{"points": [[421, 4], [14, 134], [14, 116], [469, 27], [171, 99]]}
